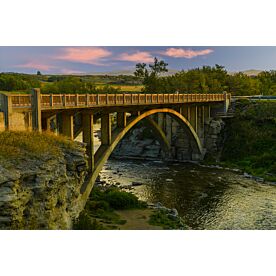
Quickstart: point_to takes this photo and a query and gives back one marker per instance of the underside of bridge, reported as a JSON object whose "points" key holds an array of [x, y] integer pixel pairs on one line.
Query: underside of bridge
{"points": [[178, 126], [185, 121]]}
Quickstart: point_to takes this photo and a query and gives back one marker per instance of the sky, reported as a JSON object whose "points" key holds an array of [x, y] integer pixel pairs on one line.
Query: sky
{"points": [[89, 60]]}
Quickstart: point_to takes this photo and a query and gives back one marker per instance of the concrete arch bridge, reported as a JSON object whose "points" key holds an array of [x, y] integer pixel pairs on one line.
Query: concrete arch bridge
{"points": [[71, 114]]}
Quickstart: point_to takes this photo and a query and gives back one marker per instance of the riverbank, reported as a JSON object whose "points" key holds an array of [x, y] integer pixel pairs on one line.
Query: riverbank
{"points": [[250, 140], [110, 208]]}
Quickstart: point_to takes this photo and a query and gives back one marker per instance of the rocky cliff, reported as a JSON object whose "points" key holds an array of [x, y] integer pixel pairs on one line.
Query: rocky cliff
{"points": [[142, 143], [41, 191]]}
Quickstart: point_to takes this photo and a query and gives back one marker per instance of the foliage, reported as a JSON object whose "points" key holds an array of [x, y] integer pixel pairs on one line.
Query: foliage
{"points": [[251, 138], [85, 222], [151, 75], [207, 79], [17, 82], [161, 218], [101, 206]]}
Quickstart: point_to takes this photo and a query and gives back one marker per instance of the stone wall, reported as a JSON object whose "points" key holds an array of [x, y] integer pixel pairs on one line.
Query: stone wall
{"points": [[2, 121], [214, 137], [43, 193]]}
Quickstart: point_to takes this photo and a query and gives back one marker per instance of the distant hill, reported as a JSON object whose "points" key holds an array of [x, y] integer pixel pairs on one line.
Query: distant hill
{"points": [[128, 73], [250, 72]]}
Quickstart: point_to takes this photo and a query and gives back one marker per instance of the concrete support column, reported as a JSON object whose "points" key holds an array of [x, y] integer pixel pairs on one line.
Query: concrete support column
{"points": [[189, 113], [193, 117], [185, 111], [6, 102], [106, 129], [36, 110], [121, 119], [168, 128], [88, 138], [160, 120], [67, 128], [200, 122]]}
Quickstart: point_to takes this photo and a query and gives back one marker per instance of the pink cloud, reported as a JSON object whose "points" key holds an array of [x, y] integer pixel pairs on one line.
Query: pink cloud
{"points": [[185, 53], [71, 72], [90, 55], [136, 57], [35, 66]]}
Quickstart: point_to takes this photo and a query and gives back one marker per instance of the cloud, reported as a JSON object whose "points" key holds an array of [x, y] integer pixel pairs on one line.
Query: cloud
{"points": [[71, 72], [35, 66], [136, 57], [185, 53], [89, 55]]}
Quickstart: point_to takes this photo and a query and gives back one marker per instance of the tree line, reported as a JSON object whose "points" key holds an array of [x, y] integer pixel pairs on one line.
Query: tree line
{"points": [[207, 79]]}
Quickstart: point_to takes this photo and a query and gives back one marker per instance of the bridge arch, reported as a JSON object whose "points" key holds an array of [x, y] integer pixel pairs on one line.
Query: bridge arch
{"points": [[118, 134]]}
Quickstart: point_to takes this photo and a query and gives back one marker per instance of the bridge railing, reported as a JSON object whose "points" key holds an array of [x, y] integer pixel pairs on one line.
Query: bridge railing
{"points": [[52, 101]]}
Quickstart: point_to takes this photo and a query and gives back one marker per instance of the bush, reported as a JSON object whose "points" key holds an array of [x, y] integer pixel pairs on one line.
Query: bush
{"points": [[122, 200]]}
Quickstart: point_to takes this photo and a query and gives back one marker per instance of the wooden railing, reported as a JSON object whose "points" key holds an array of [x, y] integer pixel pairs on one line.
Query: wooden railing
{"points": [[52, 101]]}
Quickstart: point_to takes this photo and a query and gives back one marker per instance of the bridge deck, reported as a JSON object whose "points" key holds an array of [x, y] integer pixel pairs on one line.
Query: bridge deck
{"points": [[69, 101]]}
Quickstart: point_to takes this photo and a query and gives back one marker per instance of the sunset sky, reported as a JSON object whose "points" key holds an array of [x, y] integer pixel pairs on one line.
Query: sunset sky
{"points": [[82, 60]]}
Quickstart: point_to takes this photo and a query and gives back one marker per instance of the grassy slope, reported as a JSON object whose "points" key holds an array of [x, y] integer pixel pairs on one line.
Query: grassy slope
{"points": [[18, 146], [251, 139]]}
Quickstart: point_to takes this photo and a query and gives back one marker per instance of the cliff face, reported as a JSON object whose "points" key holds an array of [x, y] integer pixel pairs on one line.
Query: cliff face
{"points": [[42, 192], [142, 143]]}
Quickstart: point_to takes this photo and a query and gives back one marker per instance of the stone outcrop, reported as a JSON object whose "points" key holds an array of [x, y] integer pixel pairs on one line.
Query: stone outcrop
{"points": [[213, 136], [135, 144], [44, 192]]}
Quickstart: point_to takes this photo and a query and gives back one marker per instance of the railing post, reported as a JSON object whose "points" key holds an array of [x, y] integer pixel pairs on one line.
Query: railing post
{"points": [[98, 99], [36, 110], [124, 98], [87, 99], [64, 100], [77, 100]]}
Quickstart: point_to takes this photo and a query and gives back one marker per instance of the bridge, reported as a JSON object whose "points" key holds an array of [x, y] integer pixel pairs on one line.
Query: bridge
{"points": [[71, 114]]}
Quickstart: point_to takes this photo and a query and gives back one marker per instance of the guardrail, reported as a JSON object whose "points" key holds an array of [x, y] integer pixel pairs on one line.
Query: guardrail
{"points": [[53, 101]]}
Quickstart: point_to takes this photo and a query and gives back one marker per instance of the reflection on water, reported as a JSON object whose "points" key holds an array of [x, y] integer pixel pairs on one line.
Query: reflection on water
{"points": [[205, 198]]}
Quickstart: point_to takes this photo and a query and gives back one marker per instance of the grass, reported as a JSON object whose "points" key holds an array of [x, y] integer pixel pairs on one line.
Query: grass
{"points": [[15, 145], [123, 88], [161, 218]]}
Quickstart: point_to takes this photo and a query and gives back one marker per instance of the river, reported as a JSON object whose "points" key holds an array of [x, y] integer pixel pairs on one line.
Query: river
{"points": [[206, 198]]}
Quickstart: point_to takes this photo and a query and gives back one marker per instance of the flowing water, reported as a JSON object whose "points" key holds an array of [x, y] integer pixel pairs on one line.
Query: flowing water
{"points": [[206, 198]]}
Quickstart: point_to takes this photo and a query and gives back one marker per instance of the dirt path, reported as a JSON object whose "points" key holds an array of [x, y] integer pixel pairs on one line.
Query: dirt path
{"points": [[137, 220]]}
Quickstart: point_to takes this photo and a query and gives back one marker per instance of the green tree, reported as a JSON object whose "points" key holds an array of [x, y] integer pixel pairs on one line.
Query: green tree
{"points": [[151, 74]]}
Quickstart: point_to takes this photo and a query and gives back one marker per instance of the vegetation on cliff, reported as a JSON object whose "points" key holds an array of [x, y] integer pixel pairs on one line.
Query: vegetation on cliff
{"points": [[18, 145], [251, 139], [40, 180]]}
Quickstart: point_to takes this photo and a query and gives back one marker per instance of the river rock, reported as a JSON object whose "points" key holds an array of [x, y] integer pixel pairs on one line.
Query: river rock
{"points": [[137, 183]]}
